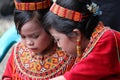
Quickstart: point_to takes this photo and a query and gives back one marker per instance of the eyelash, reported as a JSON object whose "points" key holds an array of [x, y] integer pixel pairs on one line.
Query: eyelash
{"points": [[23, 37], [56, 40], [33, 36]]}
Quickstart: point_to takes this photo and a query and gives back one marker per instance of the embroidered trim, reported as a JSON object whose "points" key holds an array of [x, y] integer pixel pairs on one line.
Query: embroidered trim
{"points": [[94, 39], [66, 13]]}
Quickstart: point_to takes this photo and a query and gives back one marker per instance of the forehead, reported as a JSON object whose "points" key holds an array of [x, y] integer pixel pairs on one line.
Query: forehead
{"points": [[31, 26], [55, 33]]}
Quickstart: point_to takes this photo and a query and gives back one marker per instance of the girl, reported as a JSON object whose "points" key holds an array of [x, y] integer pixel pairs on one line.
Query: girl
{"points": [[36, 56], [76, 27]]}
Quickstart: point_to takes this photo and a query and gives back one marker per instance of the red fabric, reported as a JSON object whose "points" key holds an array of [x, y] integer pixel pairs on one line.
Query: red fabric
{"points": [[15, 69], [101, 64], [9, 68]]}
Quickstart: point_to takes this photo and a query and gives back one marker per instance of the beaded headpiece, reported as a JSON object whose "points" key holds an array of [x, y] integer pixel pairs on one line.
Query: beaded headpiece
{"points": [[32, 5], [74, 15], [66, 13]]}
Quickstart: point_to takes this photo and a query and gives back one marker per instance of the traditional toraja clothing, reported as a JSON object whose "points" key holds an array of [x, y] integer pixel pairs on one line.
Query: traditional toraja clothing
{"points": [[101, 59], [23, 65]]}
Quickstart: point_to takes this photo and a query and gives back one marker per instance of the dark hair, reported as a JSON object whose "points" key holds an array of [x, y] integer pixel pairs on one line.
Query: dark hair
{"points": [[66, 26], [21, 17]]}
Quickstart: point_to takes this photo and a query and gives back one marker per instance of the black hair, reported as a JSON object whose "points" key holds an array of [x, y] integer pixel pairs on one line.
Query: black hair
{"points": [[21, 17], [66, 26]]}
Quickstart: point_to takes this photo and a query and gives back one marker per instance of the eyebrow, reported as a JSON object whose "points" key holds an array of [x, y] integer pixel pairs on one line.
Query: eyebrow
{"points": [[33, 33]]}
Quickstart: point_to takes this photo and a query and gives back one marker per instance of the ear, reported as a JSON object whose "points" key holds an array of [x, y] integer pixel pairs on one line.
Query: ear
{"points": [[78, 33]]}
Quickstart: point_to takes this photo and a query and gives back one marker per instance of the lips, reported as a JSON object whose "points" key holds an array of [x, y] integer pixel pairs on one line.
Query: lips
{"points": [[33, 49]]}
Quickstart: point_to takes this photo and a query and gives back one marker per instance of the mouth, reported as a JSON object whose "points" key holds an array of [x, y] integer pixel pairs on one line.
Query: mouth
{"points": [[33, 49]]}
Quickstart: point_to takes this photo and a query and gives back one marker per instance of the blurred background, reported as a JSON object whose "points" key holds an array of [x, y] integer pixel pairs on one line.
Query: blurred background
{"points": [[6, 15], [6, 22]]}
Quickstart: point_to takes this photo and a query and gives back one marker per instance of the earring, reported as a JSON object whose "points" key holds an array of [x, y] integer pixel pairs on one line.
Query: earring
{"points": [[78, 47]]}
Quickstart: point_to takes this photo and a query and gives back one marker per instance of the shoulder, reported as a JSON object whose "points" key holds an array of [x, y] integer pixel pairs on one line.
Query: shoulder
{"points": [[106, 47], [108, 37]]}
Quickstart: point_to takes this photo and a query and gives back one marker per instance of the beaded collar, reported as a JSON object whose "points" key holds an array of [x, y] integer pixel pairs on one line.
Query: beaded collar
{"points": [[52, 66]]}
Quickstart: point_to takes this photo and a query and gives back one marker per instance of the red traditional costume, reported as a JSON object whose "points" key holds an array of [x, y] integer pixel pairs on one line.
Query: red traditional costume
{"points": [[101, 59], [22, 65]]}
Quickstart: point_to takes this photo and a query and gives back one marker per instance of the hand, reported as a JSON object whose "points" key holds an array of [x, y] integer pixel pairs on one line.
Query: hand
{"points": [[58, 78], [7, 79]]}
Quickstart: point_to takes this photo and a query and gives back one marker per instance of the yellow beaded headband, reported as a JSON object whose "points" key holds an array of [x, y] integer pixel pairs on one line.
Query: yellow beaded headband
{"points": [[32, 5], [66, 13]]}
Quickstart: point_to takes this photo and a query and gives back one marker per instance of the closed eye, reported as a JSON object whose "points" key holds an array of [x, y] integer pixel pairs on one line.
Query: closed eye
{"points": [[35, 36], [56, 40], [23, 37]]}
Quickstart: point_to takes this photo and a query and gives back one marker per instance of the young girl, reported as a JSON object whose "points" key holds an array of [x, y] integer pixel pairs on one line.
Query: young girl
{"points": [[76, 27], [36, 56]]}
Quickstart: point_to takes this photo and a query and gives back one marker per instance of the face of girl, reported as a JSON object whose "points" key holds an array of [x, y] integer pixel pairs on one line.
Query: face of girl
{"points": [[68, 45], [34, 36]]}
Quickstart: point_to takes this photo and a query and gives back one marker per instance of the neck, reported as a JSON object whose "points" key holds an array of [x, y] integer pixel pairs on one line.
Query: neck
{"points": [[84, 43], [49, 50]]}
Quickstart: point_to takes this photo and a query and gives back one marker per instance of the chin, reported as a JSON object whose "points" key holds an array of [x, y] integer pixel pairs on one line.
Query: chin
{"points": [[69, 53], [36, 52]]}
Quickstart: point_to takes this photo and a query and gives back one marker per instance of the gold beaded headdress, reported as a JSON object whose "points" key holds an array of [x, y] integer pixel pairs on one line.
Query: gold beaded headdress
{"points": [[32, 5], [66, 13]]}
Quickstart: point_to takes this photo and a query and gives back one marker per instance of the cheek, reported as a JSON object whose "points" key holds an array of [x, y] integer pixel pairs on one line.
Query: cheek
{"points": [[69, 47], [43, 41], [62, 44], [24, 41]]}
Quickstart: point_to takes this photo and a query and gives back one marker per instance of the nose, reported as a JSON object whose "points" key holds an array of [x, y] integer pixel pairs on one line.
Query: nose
{"points": [[29, 42], [60, 47], [58, 44]]}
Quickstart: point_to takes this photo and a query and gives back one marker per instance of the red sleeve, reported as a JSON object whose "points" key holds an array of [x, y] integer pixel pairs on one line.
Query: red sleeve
{"points": [[9, 67], [102, 62]]}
